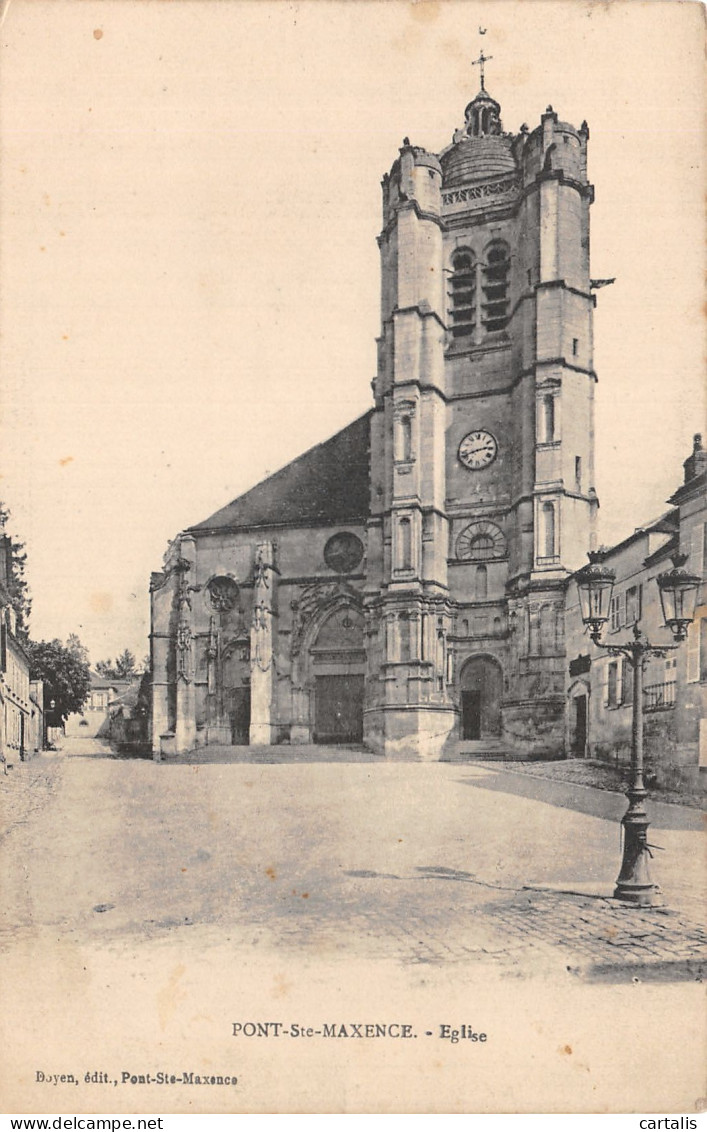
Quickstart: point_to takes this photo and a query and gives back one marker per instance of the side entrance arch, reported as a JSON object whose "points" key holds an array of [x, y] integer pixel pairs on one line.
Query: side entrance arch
{"points": [[481, 682], [579, 720]]}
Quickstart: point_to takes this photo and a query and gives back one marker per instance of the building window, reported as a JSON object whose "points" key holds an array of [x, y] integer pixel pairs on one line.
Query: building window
{"points": [[546, 419], [575, 346], [615, 613], [480, 541], [405, 544], [495, 301], [462, 295], [481, 546], [633, 604], [405, 438], [626, 683], [404, 632], [547, 530], [465, 628], [612, 684], [481, 584], [578, 472], [697, 651]]}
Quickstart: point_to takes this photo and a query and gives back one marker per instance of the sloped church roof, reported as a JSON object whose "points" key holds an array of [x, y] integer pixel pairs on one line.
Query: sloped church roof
{"points": [[327, 484]]}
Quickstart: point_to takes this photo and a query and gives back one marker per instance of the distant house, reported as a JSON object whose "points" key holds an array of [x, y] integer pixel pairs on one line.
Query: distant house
{"points": [[16, 740], [128, 727], [600, 686], [93, 721]]}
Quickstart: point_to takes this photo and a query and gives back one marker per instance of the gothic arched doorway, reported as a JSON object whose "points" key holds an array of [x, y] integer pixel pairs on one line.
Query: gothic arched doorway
{"points": [[338, 662], [236, 690], [481, 684]]}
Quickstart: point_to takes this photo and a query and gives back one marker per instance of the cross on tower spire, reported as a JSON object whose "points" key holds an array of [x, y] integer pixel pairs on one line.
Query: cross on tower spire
{"points": [[480, 63]]}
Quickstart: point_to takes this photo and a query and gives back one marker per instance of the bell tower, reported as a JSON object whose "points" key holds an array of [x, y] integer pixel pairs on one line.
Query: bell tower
{"points": [[409, 705], [482, 437]]}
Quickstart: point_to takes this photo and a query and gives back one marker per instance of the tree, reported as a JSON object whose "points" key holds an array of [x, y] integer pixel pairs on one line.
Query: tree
{"points": [[125, 665], [122, 668], [67, 680], [17, 584], [76, 649]]}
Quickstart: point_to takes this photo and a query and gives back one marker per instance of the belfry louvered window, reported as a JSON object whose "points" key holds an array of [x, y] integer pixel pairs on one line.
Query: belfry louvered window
{"points": [[462, 295], [495, 278]]}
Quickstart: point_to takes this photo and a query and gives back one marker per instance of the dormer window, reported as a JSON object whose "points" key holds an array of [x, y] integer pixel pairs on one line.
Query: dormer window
{"points": [[495, 278], [462, 295]]}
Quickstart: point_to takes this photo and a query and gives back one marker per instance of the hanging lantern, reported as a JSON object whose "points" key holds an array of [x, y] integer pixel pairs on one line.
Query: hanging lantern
{"points": [[678, 596], [595, 581]]}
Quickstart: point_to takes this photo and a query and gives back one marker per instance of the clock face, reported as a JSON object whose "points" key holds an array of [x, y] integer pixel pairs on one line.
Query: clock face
{"points": [[478, 449]]}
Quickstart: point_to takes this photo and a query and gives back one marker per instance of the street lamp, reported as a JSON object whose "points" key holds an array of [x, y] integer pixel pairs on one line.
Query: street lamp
{"points": [[678, 595]]}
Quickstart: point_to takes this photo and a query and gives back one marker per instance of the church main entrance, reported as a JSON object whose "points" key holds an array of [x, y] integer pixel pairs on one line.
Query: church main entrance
{"points": [[481, 690], [338, 715], [338, 663]]}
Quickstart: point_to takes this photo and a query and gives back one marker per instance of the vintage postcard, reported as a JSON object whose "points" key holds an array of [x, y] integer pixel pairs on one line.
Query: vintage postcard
{"points": [[336, 778]]}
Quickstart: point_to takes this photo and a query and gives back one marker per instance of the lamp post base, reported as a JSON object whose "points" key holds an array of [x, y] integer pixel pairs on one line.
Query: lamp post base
{"points": [[634, 885], [641, 895]]}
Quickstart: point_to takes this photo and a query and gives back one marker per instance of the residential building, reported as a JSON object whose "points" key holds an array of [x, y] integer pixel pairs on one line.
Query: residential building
{"points": [[600, 686]]}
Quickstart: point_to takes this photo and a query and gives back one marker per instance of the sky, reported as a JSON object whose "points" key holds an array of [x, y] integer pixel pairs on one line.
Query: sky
{"points": [[189, 278]]}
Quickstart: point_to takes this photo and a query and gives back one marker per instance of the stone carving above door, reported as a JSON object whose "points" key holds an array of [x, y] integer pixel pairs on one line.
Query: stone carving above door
{"points": [[312, 600]]}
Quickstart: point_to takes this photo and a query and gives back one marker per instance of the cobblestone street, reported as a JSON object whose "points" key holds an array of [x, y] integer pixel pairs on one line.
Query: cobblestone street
{"points": [[421, 863], [148, 905]]}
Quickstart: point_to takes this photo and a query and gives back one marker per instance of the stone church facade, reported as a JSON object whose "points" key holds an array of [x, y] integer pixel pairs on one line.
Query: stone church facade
{"points": [[403, 583]]}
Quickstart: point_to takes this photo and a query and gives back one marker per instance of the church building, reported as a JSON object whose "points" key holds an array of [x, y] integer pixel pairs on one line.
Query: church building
{"points": [[403, 583]]}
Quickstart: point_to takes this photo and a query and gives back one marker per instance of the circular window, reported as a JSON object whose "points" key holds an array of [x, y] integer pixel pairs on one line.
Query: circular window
{"points": [[223, 594], [343, 552]]}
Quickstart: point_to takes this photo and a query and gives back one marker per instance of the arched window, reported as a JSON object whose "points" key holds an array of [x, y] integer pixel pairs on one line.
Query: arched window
{"points": [[465, 628], [482, 546], [462, 295], [480, 541], [495, 299], [405, 544], [547, 530], [481, 583]]}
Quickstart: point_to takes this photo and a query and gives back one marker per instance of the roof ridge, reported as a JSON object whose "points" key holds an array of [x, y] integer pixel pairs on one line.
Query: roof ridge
{"points": [[319, 484]]}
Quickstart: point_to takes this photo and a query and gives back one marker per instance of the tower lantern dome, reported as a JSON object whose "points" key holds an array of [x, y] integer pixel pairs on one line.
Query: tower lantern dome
{"points": [[483, 116]]}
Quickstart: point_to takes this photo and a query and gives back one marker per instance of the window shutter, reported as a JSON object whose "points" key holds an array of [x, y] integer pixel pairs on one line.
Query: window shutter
{"points": [[626, 682], [693, 652]]}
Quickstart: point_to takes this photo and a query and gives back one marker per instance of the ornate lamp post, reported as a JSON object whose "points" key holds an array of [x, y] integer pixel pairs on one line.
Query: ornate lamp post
{"points": [[678, 595]]}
